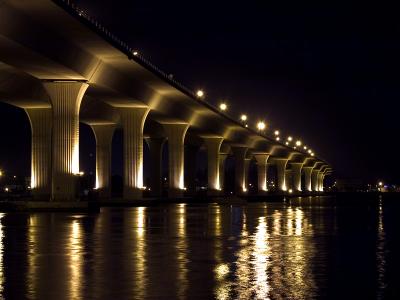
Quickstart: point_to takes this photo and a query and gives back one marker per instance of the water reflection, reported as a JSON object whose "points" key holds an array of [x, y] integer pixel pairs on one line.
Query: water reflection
{"points": [[254, 251]]}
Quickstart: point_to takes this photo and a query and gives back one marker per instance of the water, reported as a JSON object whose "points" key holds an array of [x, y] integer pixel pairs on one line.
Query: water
{"points": [[301, 249]]}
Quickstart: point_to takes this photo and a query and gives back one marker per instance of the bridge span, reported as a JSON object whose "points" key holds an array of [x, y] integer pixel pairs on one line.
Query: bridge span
{"points": [[63, 67]]}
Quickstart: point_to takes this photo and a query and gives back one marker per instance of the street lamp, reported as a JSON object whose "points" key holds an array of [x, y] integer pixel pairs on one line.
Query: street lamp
{"points": [[261, 126], [223, 106], [200, 93]]}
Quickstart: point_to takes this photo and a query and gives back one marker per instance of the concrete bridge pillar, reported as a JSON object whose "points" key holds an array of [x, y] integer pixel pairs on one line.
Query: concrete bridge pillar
{"points": [[132, 119], [41, 125], [307, 178], [240, 169], [288, 179], [66, 98], [222, 158], [280, 170], [320, 180], [296, 176], [314, 180], [262, 159], [213, 146], [156, 146], [176, 137], [104, 134], [191, 152]]}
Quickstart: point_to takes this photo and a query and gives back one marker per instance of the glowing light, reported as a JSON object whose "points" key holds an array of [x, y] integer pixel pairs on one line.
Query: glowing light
{"points": [[1, 173], [309, 151], [246, 125], [312, 153], [305, 147], [223, 106], [261, 125], [289, 138], [243, 117], [276, 132], [287, 143], [290, 191], [200, 93], [81, 173], [298, 143], [380, 183], [135, 53], [277, 138], [6, 189], [295, 147]]}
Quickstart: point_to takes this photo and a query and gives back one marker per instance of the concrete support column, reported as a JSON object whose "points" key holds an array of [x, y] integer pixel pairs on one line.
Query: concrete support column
{"points": [[280, 170], [314, 180], [191, 152], [176, 137], [320, 181], [41, 125], [296, 176], [307, 178], [222, 158], [262, 159], [66, 98], [156, 147], [132, 119], [288, 179], [246, 173], [104, 134], [240, 169], [213, 146]]}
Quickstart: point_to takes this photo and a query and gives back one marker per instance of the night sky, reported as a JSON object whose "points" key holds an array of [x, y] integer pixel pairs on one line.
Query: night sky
{"points": [[324, 72]]}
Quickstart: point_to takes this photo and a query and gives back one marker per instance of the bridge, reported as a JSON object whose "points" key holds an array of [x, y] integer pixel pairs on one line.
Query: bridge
{"points": [[63, 67]]}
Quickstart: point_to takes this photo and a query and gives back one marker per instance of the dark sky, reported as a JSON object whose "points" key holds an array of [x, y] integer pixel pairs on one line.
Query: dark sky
{"points": [[324, 72]]}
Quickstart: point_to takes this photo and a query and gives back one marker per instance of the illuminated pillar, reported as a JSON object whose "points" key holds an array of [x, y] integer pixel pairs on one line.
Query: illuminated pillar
{"points": [[66, 98], [213, 146], [314, 180], [240, 169], [155, 146], [320, 181], [246, 173], [104, 134], [296, 176], [280, 170], [191, 152], [132, 119], [288, 179], [261, 159], [176, 137], [222, 158], [40, 119], [307, 178]]}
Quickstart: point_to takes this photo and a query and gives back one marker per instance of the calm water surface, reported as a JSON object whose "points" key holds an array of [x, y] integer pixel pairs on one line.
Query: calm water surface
{"points": [[302, 249]]}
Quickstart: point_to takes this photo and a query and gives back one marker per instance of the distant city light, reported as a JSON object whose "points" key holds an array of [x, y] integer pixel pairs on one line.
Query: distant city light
{"points": [[290, 191], [261, 126], [289, 138], [81, 173], [305, 147], [246, 125], [6, 189], [295, 147], [298, 143], [135, 53], [200, 93], [223, 106], [243, 117], [380, 183], [1, 173], [287, 143], [277, 138], [276, 132], [309, 151], [312, 153]]}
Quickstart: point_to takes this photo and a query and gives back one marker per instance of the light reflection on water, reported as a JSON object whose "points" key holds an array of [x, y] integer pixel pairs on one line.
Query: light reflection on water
{"points": [[180, 251]]}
